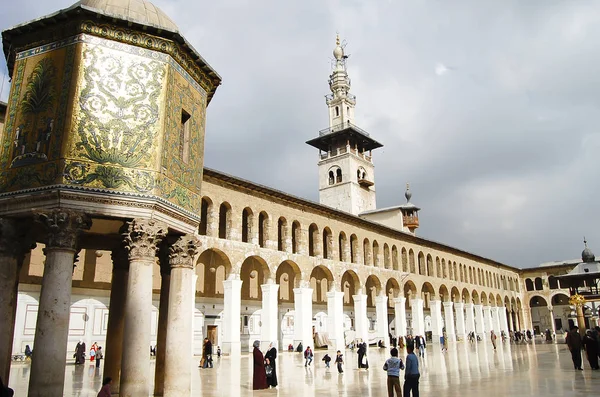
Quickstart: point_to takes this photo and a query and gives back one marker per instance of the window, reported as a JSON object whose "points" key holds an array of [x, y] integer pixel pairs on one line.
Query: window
{"points": [[184, 137], [338, 176], [337, 111], [538, 284], [331, 178]]}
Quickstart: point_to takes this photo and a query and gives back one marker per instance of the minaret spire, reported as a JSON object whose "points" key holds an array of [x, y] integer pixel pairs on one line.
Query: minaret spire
{"points": [[341, 103]]}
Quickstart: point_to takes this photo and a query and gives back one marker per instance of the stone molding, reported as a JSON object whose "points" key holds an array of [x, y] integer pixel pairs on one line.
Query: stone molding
{"points": [[63, 227], [183, 251], [143, 237]]}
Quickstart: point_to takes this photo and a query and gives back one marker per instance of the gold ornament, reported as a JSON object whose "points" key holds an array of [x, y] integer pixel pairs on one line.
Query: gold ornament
{"points": [[577, 300]]}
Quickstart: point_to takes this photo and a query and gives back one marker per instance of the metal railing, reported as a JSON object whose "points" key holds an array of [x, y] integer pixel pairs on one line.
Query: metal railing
{"points": [[342, 126]]}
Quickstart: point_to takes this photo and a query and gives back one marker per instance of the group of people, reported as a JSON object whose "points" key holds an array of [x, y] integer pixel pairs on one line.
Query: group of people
{"points": [[95, 353], [207, 350], [339, 361], [590, 342], [394, 365], [265, 367]]}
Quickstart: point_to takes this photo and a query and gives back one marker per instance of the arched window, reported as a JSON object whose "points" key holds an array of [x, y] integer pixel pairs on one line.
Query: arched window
{"points": [[224, 220], [204, 217], [295, 237], [376, 254], [338, 176], [353, 248], [282, 234], [553, 282], [331, 178], [538, 284], [247, 225], [394, 258], [366, 252], [313, 237], [263, 229], [327, 244], [342, 247]]}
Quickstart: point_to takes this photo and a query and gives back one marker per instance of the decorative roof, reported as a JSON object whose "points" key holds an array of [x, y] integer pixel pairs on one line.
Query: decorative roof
{"points": [[587, 255]]}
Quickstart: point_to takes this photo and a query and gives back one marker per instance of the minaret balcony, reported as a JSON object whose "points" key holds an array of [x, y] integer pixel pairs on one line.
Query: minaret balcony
{"points": [[410, 222], [365, 183]]}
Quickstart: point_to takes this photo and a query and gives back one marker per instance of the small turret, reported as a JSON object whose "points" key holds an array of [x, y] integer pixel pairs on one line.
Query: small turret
{"points": [[410, 212]]}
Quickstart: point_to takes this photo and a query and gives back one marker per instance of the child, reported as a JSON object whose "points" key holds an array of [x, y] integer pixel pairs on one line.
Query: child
{"points": [[218, 351], [308, 356], [327, 360], [339, 361], [411, 376], [99, 356], [393, 366]]}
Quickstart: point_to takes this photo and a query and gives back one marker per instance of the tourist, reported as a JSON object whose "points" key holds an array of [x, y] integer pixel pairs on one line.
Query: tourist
{"points": [[208, 354], [574, 343], [299, 349], [80, 352], [259, 379], [308, 356], [444, 340], [290, 348], [327, 360], [339, 360], [401, 342], [362, 356], [270, 358], [93, 350], [5, 390], [203, 358], [28, 352], [218, 351], [420, 343], [493, 338], [393, 366], [99, 356], [411, 376], [548, 335], [591, 349], [105, 391]]}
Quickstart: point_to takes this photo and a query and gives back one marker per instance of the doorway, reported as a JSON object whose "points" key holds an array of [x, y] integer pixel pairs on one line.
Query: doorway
{"points": [[211, 334]]}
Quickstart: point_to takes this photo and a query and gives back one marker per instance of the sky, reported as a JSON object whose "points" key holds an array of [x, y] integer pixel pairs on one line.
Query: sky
{"points": [[489, 109]]}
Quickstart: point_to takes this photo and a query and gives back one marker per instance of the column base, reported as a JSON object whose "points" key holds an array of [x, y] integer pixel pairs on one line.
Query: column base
{"points": [[435, 339], [231, 348]]}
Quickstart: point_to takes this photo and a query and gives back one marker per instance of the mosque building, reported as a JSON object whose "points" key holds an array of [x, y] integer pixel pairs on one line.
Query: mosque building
{"points": [[113, 231]]}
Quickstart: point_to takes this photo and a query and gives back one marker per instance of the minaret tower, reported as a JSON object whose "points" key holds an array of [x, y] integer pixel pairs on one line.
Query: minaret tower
{"points": [[346, 171]]}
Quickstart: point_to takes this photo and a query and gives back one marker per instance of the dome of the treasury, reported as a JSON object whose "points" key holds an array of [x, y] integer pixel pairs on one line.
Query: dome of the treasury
{"points": [[137, 11]]}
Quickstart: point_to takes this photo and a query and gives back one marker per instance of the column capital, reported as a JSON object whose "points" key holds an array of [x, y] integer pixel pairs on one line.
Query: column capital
{"points": [[142, 237], [63, 227], [401, 300], [476, 306], [448, 304], [269, 287], [435, 302], [359, 297], [183, 251], [469, 305], [459, 305]]}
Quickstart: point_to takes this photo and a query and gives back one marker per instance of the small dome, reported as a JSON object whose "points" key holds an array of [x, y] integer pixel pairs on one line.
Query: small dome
{"points": [[408, 193], [138, 11], [587, 255], [338, 51]]}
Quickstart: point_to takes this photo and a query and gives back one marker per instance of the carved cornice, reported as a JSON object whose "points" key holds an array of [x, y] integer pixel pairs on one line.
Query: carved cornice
{"points": [[63, 226], [183, 251], [142, 238]]}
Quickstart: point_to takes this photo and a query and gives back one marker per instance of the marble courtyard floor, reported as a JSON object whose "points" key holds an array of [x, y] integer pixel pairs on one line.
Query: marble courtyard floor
{"points": [[466, 370]]}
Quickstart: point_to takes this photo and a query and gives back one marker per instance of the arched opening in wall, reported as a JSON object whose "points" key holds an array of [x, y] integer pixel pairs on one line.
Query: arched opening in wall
{"points": [[373, 289], [354, 248], [288, 278], [313, 238], [539, 285], [455, 267], [327, 243], [386, 256], [404, 254], [395, 258], [427, 294], [295, 236], [475, 298], [253, 274], [443, 293], [338, 176], [517, 287], [224, 220], [438, 267], [560, 300], [263, 229], [511, 284], [205, 209], [410, 293], [529, 284], [282, 234], [392, 290], [366, 252], [455, 295], [376, 254], [466, 297], [430, 266], [422, 269], [212, 268], [411, 261], [331, 178], [498, 300], [461, 273], [553, 283], [342, 247], [537, 301], [247, 221], [337, 111], [445, 269], [321, 280], [470, 275], [350, 286], [484, 299]]}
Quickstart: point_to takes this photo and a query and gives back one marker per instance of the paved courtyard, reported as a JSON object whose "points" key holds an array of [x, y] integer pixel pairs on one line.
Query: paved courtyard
{"points": [[466, 370]]}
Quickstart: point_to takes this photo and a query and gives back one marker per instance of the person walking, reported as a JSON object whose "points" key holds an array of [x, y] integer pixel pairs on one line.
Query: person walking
{"points": [[412, 375], [105, 391], [574, 343], [393, 366], [308, 356], [99, 356], [80, 353], [493, 338], [339, 360], [591, 349], [208, 352], [270, 358], [326, 359], [444, 340], [421, 345], [259, 379], [93, 350]]}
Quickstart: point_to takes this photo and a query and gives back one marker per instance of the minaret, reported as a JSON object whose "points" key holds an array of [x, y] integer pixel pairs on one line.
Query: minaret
{"points": [[410, 213], [346, 171]]}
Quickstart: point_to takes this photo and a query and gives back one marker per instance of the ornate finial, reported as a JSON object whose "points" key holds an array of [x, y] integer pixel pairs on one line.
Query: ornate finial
{"points": [[337, 39], [584, 242], [408, 194]]}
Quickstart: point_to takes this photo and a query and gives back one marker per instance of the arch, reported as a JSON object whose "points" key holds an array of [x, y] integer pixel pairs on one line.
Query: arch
{"points": [[438, 267], [331, 178], [366, 252], [484, 300], [421, 259], [386, 256], [205, 216], [212, 268], [373, 289], [376, 254], [313, 240], [296, 236], [430, 271], [466, 297], [559, 299], [321, 280], [498, 300], [411, 261], [475, 297], [395, 258], [282, 234], [553, 282], [536, 301], [225, 220], [444, 269], [350, 284], [443, 293], [529, 284], [455, 295], [327, 243], [247, 225], [410, 290], [392, 290], [427, 294], [338, 175], [263, 229], [354, 248], [539, 285], [343, 247], [404, 254], [254, 273], [288, 277]]}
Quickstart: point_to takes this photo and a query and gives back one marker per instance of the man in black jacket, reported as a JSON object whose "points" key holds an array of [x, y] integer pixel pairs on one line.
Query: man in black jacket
{"points": [[574, 343]]}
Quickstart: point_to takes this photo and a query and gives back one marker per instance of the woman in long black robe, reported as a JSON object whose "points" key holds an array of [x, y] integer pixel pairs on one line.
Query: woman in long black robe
{"points": [[80, 353], [361, 353], [270, 358], [259, 377]]}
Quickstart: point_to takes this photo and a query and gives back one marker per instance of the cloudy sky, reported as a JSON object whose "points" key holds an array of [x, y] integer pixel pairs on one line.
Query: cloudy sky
{"points": [[489, 109]]}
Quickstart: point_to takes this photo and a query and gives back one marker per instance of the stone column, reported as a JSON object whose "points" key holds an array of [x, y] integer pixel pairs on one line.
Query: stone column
{"points": [[178, 359], [503, 317], [382, 318], [116, 318], [400, 316], [479, 325], [303, 316], [470, 318], [496, 320], [232, 301], [52, 330], [163, 317], [361, 321], [449, 321], [269, 315], [551, 310], [459, 308], [487, 321], [141, 240], [418, 319], [436, 320], [510, 324], [335, 319]]}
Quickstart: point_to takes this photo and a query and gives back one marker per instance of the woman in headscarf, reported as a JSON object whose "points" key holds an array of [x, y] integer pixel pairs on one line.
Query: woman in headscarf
{"points": [[80, 353], [259, 380], [270, 360]]}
